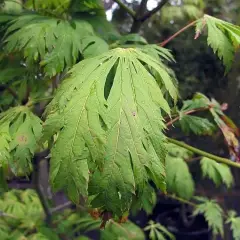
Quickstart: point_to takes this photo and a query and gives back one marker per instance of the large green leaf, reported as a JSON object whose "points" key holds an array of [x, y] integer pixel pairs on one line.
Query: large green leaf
{"points": [[109, 124]]}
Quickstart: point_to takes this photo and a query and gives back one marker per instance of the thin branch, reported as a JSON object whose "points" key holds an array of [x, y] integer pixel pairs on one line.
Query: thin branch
{"points": [[3, 214], [10, 90], [61, 207], [162, 44], [126, 8], [203, 153], [174, 197], [186, 113], [37, 185], [155, 10]]}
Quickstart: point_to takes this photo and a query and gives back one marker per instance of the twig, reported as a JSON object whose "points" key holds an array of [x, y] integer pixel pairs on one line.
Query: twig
{"points": [[126, 8], [162, 44], [203, 153], [193, 159], [3, 214], [174, 197], [61, 207], [37, 185], [179, 199], [186, 113], [10, 90], [152, 12]]}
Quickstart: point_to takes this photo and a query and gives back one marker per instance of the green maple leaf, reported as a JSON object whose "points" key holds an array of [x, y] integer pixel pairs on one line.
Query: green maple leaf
{"points": [[20, 131], [158, 231], [178, 177], [57, 44], [107, 116], [223, 37], [213, 214], [197, 125], [234, 222], [147, 202], [219, 173]]}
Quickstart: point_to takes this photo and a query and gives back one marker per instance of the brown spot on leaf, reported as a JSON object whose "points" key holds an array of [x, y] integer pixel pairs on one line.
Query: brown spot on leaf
{"points": [[22, 139]]}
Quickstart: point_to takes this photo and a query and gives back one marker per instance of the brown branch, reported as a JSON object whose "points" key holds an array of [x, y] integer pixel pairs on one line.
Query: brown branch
{"points": [[37, 185], [155, 10], [137, 21], [162, 44]]}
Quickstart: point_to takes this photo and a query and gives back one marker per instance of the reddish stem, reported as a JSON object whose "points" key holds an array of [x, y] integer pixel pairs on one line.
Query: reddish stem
{"points": [[186, 113], [162, 44]]}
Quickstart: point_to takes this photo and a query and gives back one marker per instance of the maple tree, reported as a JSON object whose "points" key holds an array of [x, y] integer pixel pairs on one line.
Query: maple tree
{"points": [[98, 105]]}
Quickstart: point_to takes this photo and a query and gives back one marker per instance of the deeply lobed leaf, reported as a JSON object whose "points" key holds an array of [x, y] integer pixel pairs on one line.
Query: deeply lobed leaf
{"points": [[20, 131], [223, 37], [178, 177], [213, 214], [56, 43], [219, 173], [234, 222], [197, 125], [108, 119]]}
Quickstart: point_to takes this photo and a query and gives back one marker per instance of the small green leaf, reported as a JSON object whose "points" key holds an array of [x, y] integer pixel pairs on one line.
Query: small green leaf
{"points": [[158, 231], [197, 125], [147, 201], [20, 130], [223, 38], [234, 222], [179, 179], [213, 214], [218, 172]]}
